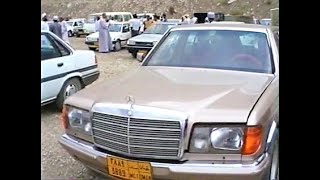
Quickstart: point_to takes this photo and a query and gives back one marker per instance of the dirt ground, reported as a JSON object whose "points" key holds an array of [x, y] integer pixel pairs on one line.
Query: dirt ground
{"points": [[56, 163]]}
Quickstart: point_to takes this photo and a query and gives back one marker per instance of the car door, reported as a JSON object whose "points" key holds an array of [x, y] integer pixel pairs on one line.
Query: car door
{"points": [[56, 62], [126, 33]]}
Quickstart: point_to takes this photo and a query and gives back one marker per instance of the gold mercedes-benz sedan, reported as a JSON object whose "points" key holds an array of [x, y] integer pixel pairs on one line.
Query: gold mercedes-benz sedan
{"points": [[203, 105]]}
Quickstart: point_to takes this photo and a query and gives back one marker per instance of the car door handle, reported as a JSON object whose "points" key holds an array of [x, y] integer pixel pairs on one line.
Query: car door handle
{"points": [[60, 64]]}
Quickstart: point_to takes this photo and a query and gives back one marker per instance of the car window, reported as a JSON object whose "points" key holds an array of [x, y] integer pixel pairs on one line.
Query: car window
{"points": [[215, 49], [48, 50], [126, 28], [115, 27], [75, 24], [158, 29], [118, 18], [63, 50], [127, 17]]}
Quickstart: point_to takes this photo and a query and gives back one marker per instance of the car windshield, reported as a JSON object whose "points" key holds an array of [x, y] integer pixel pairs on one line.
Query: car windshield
{"points": [[158, 29], [91, 19], [216, 49], [70, 23], [115, 27]]}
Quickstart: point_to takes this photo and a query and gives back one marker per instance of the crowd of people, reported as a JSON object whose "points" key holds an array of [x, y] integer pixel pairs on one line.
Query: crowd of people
{"points": [[102, 24], [59, 26]]}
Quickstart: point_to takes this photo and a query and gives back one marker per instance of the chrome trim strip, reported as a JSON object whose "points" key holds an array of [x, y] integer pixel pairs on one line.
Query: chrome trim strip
{"points": [[110, 123], [150, 113], [112, 141], [148, 128], [128, 134], [271, 136]]}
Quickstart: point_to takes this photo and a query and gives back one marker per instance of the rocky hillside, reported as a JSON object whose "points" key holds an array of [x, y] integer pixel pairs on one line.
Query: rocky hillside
{"points": [[82, 8]]}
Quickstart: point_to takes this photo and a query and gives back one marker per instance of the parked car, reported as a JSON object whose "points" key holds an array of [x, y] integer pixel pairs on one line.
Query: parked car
{"points": [[89, 26], [120, 32], [75, 24], [256, 21], [142, 16], [144, 42], [64, 71], [265, 21], [78, 31], [203, 105]]}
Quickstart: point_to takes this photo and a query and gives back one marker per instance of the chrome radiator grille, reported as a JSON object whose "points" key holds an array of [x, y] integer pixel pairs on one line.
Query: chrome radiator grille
{"points": [[138, 137]]}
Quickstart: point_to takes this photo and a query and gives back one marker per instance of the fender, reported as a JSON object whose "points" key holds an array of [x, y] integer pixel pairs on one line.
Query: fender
{"points": [[272, 136]]}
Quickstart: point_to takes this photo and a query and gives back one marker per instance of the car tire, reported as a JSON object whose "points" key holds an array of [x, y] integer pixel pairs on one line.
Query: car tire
{"points": [[273, 173], [92, 48], [70, 33], [117, 46], [69, 87], [134, 54]]}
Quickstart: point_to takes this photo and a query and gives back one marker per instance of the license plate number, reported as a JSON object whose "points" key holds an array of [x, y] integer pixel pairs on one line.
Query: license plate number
{"points": [[127, 169]]}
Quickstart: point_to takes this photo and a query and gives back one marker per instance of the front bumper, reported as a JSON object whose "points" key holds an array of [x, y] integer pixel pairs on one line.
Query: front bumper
{"points": [[96, 160], [135, 49], [95, 44], [81, 32], [92, 44]]}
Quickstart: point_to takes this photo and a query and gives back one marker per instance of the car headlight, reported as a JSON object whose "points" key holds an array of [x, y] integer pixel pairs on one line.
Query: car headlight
{"points": [[224, 140], [130, 42], [154, 43], [79, 119]]}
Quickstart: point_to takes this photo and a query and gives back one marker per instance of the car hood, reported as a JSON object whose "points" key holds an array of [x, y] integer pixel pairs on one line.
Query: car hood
{"points": [[147, 38], [204, 95]]}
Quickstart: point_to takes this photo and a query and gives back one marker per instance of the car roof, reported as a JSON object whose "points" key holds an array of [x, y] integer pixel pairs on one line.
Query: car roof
{"points": [[223, 26], [77, 19], [141, 14], [109, 13], [161, 22], [117, 22]]}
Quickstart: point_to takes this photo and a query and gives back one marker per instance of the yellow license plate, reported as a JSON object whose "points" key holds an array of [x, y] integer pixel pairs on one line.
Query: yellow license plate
{"points": [[127, 169], [142, 51]]}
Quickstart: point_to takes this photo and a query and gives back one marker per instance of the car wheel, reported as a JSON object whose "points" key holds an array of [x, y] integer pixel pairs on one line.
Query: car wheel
{"points": [[117, 46], [70, 87], [92, 48], [273, 173], [134, 54]]}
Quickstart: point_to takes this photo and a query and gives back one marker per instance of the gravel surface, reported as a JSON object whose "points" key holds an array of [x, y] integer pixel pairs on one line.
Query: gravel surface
{"points": [[56, 163]]}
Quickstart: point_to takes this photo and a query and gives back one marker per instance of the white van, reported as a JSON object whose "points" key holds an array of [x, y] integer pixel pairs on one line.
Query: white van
{"points": [[89, 26]]}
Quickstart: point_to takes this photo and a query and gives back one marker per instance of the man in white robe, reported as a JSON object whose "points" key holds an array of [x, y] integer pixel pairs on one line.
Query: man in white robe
{"points": [[104, 46], [64, 30], [44, 24]]}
